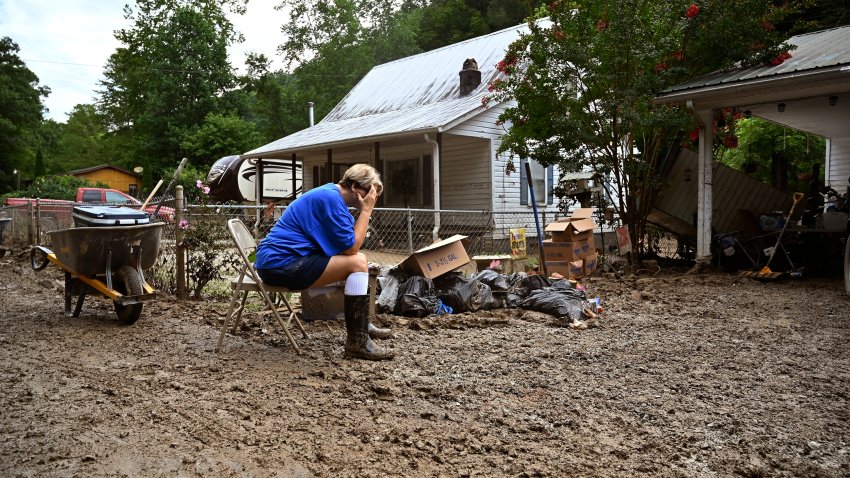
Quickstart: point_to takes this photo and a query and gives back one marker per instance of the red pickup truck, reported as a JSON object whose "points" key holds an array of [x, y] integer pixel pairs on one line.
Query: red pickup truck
{"points": [[93, 196]]}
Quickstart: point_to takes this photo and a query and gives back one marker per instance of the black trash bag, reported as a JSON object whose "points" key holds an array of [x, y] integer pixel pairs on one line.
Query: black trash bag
{"points": [[463, 294], [562, 284], [416, 298], [530, 283], [496, 281], [557, 301], [389, 287]]}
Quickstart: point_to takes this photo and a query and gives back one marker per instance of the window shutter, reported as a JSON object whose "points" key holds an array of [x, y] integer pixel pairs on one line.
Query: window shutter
{"points": [[523, 183], [550, 185]]}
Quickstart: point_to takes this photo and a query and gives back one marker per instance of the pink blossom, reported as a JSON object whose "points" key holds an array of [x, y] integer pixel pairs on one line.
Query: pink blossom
{"points": [[184, 224], [694, 134], [780, 58], [199, 184], [206, 189]]}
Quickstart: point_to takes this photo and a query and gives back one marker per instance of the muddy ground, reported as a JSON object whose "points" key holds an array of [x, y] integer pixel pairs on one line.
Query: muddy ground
{"points": [[687, 375]]}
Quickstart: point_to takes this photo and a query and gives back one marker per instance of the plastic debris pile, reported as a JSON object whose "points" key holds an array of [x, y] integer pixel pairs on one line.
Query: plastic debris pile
{"points": [[408, 295]]}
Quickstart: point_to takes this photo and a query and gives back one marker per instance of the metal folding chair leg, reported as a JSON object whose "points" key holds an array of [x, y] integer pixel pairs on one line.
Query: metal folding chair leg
{"points": [[281, 323]]}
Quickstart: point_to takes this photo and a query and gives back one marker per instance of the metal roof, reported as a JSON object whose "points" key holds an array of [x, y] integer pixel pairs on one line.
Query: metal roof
{"points": [[822, 50], [413, 94], [102, 166]]}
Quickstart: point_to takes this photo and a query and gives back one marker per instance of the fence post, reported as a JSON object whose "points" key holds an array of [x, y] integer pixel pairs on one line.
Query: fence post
{"points": [[31, 223], [409, 232], [37, 221], [180, 260]]}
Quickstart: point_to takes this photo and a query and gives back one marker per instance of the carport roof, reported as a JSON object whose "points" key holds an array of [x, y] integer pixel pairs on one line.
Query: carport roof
{"points": [[819, 65]]}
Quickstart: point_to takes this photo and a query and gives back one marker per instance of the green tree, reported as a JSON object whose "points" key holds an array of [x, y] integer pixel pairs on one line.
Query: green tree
{"points": [[40, 169], [82, 141], [20, 112], [584, 82], [218, 136], [775, 154], [331, 45], [169, 74], [56, 187], [450, 21], [266, 98]]}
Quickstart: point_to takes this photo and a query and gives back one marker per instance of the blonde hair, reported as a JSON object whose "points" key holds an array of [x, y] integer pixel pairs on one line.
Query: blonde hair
{"points": [[363, 176]]}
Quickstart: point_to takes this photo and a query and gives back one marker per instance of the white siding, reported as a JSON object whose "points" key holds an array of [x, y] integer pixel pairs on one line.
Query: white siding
{"points": [[465, 172], [482, 125], [838, 170]]}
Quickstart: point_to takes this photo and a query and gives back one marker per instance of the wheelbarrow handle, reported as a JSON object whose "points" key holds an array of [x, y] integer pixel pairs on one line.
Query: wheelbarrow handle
{"points": [[44, 253]]}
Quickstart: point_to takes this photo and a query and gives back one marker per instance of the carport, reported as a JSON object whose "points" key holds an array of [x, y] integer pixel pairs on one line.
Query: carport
{"points": [[809, 91]]}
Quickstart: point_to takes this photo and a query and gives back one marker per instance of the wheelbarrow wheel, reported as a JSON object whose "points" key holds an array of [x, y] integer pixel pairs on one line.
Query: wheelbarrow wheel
{"points": [[128, 282]]}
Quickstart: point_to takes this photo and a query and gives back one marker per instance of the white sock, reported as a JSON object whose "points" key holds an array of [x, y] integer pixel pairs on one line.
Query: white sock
{"points": [[357, 283]]}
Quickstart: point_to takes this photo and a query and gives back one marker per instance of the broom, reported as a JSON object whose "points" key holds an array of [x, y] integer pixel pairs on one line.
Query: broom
{"points": [[765, 273]]}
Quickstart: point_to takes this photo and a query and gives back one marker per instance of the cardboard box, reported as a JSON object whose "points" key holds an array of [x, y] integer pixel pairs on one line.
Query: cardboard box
{"points": [[505, 261], [568, 251], [577, 227], [590, 264], [438, 258], [568, 269]]}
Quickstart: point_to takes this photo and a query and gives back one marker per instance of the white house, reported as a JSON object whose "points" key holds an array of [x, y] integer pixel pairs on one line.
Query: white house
{"points": [[420, 121]]}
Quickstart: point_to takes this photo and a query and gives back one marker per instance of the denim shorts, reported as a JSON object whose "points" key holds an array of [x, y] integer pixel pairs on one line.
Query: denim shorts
{"points": [[298, 274]]}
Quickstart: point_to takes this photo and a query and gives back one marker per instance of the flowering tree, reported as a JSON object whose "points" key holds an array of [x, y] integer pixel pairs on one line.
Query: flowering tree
{"points": [[583, 82], [205, 241]]}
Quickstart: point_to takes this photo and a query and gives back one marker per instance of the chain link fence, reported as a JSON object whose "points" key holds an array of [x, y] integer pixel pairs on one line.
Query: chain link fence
{"points": [[202, 248]]}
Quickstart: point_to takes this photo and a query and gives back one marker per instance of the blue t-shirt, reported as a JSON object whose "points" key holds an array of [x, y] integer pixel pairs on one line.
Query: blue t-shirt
{"points": [[318, 222]]}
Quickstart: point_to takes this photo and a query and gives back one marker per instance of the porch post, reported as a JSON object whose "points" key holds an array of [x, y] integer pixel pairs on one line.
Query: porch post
{"points": [[435, 155], [704, 183]]}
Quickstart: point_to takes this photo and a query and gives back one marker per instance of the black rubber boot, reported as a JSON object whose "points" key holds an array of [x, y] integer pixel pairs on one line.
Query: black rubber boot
{"points": [[376, 332], [358, 344]]}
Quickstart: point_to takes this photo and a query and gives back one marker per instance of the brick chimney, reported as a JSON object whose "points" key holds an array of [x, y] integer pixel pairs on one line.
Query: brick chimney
{"points": [[470, 77]]}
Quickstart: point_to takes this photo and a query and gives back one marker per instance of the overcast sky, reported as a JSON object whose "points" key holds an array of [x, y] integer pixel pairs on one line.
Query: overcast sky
{"points": [[67, 42]]}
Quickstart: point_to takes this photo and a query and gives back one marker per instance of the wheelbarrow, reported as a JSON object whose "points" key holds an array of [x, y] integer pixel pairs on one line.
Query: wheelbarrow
{"points": [[106, 260]]}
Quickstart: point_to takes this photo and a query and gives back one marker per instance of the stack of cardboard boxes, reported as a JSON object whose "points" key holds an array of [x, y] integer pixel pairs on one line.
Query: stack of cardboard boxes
{"points": [[571, 251]]}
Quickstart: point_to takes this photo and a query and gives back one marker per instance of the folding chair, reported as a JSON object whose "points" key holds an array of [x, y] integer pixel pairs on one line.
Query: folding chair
{"points": [[249, 281]]}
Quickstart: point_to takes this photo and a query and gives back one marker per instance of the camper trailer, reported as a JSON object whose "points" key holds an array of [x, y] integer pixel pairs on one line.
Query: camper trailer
{"points": [[233, 178]]}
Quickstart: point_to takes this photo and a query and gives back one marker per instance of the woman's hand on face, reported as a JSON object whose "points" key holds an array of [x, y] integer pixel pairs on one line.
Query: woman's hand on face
{"points": [[368, 201]]}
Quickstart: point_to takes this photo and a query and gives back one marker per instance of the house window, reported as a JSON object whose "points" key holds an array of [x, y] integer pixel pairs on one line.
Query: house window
{"points": [[542, 180], [133, 190], [405, 182]]}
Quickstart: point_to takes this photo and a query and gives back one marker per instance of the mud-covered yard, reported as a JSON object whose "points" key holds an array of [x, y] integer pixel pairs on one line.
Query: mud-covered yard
{"points": [[686, 375]]}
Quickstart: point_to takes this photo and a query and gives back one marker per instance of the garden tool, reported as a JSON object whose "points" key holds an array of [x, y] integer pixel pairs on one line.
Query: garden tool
{"points": [[765, 273], [536, 220]]}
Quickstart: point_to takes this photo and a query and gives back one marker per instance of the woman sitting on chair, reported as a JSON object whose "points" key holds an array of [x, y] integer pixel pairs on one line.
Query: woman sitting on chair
{"points": [[317, 242]]}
